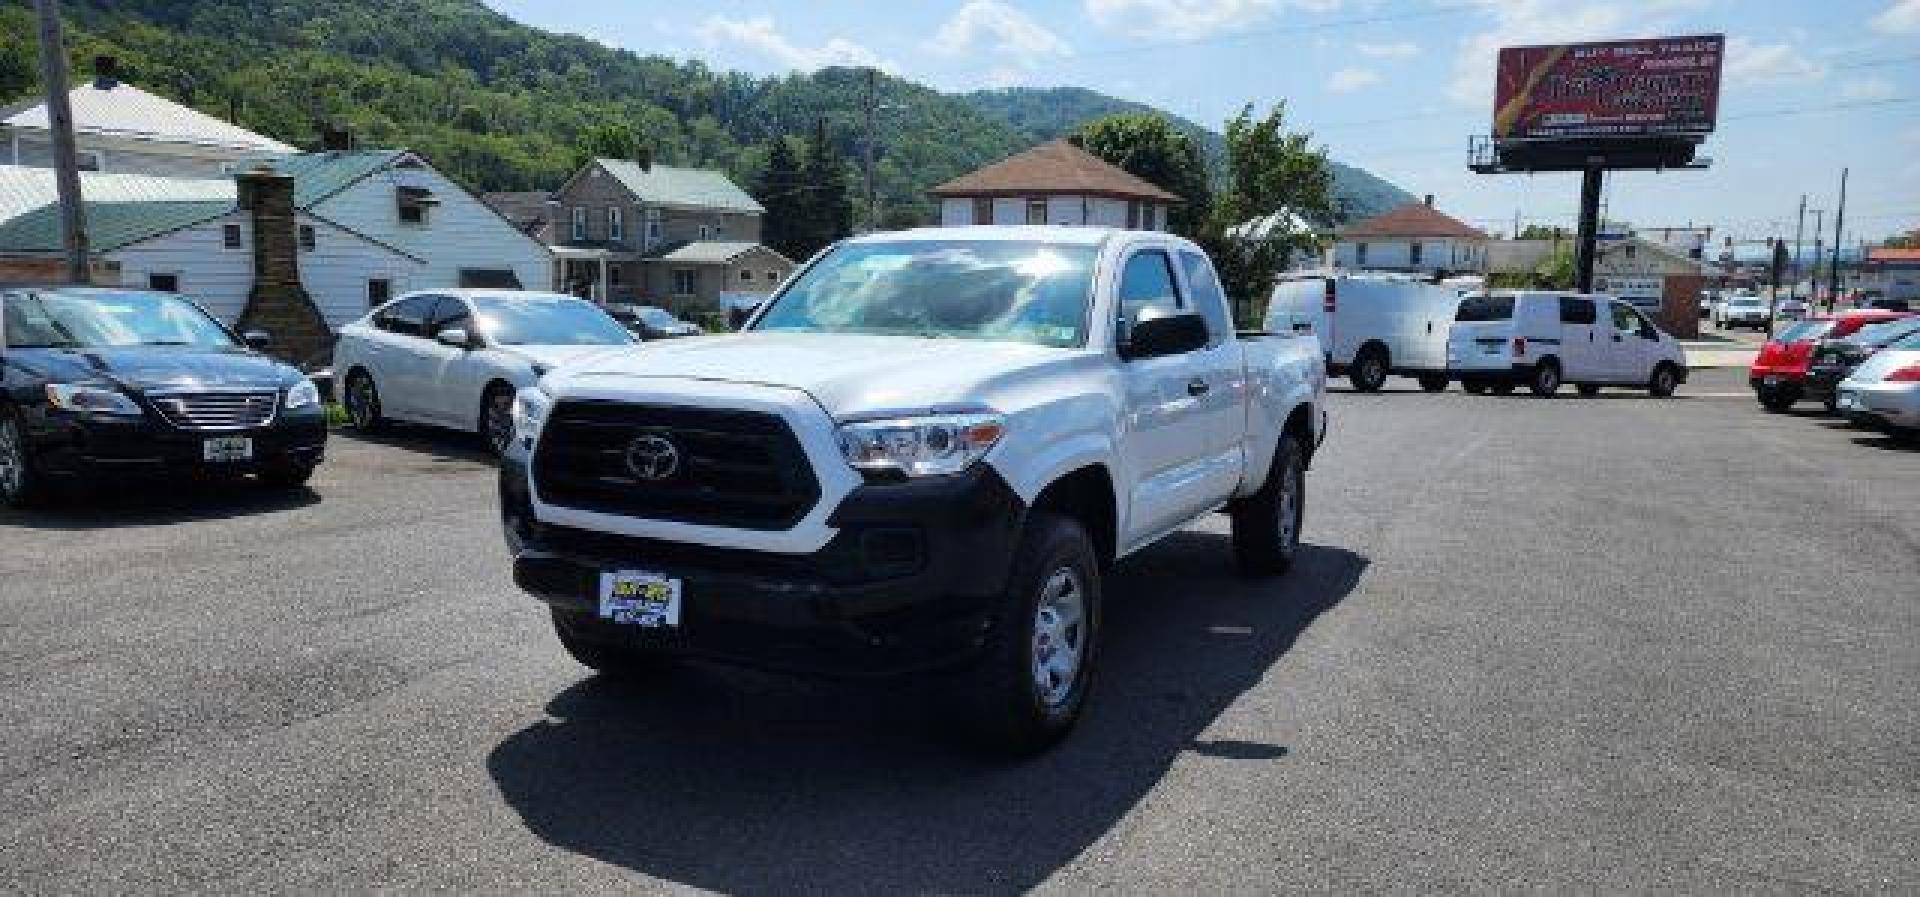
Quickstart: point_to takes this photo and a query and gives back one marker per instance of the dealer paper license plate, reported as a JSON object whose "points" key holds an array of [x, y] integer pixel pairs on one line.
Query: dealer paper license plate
{"points": [[227, 448], [639, 598]]}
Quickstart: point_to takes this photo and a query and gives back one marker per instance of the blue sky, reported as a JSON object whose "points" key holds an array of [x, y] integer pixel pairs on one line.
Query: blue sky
{"points": [[1394, 87]]}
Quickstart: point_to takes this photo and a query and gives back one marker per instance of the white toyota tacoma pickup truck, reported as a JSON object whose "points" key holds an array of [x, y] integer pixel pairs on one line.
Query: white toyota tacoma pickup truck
{"points": [[924, 453]]}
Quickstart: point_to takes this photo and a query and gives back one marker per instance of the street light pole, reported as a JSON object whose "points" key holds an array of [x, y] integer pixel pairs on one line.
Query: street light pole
{"points": [[66, 169], [1799, 230]]}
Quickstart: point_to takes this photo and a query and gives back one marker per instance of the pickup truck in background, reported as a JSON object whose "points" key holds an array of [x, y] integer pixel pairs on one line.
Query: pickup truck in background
{"points": [[925, 452]]}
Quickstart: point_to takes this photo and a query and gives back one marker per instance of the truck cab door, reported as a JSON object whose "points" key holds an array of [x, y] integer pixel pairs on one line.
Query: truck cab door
{"points": [[1169, 444]]}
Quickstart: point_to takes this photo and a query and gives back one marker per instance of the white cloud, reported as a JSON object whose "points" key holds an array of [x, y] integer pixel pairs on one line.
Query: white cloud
{"points": [[1405, 49], [1181, 19], [1903, 17], [992, 26], [759, 34], [1869, 89], [1352, 78], [1752, 62], [1522, 22]]}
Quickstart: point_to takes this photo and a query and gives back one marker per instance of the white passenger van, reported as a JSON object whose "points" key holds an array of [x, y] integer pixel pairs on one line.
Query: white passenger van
{"points": [[1369, 325], [1542, 339]]}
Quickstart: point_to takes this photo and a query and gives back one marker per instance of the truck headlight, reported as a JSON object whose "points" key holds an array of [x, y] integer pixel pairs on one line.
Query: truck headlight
{"points": [[302, 394], [93, 399], [921, 446]]}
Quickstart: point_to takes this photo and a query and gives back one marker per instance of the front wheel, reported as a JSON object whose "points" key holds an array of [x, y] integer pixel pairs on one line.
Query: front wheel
{"points": [[1433, 382], [1031, 684], [1663, 382], [1545, 380], [363, 403], [20, 485], [1777, 398], [1266, 524]]}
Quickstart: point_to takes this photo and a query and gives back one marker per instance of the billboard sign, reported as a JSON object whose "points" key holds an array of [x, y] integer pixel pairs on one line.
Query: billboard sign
{"points": [[1628, 88]]}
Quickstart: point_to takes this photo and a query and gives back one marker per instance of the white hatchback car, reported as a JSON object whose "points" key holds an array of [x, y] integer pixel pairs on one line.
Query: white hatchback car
{"points": [[1542, 339], [455, 358]]}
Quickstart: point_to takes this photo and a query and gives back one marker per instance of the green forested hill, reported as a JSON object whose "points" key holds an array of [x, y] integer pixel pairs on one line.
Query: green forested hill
{"points": [[503, 105]]}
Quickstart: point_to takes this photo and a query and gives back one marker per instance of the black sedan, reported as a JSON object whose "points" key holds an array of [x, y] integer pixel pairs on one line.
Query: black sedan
{"points": [[96, 382], [651, 322], [1833, 360]]}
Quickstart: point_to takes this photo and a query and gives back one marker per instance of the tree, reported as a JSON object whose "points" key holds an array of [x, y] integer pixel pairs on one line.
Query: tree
{"points": [[779, 190], [1908, 240], [1268, 170], [1542, 232], [608, 141], [1150, 148], [826, 210]]}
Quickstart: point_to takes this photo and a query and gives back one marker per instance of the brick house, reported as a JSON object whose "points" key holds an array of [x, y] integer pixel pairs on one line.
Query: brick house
{"points": [[1054, 183]]}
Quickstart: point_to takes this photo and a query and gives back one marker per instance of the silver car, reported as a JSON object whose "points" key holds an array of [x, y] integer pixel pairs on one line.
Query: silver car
{"points": [[1742, 311], [1884, 392]]}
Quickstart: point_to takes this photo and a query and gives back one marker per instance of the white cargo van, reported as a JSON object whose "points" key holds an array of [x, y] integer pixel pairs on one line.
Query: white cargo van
{"points": [[1369, 325], [1543, 339]]}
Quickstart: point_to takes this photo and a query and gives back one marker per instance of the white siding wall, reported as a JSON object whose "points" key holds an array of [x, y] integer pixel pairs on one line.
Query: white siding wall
{"points": [[334, 273], [460, 232], [1435, 252], [216, 277], [1009, 211], [1076, 210], [956, 212], [1107, 212]]}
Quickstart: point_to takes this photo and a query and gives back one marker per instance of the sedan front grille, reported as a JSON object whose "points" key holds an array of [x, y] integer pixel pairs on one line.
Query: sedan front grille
{"points": [[217, 410], [741, 469]]}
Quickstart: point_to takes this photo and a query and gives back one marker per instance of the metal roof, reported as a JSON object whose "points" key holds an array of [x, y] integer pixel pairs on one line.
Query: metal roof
{"points": [[666, 185], [708, 252], [110, 225], [23, 189], [114, 109], [317, 176]]}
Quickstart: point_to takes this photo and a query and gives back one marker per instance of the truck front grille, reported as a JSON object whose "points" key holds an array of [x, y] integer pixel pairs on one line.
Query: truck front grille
{"points": [[742, 469], [217, 410]]}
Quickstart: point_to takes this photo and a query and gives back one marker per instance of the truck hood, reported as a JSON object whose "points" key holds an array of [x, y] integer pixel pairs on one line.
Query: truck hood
{"points": [[849, 375]]}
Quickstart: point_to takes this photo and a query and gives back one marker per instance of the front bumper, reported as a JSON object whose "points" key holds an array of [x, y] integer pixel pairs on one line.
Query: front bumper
{"points": [[908, 583], [80, 446]]}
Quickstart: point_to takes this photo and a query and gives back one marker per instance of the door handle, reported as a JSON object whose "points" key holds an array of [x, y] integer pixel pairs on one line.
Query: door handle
{"points": [[1197, 387], [1617, 337]]}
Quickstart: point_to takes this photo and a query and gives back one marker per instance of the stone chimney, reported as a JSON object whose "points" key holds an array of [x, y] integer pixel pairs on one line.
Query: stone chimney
{"points": [[643, 156], [278, 304], [106, 72], [1429, 200]]}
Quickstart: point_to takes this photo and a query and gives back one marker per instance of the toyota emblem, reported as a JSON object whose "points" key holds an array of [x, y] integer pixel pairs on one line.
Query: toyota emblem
{"points": [[652, 458]]}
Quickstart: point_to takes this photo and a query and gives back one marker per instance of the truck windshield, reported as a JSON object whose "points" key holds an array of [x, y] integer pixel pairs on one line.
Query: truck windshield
{"points": [[1009, 290], [100, 319]]}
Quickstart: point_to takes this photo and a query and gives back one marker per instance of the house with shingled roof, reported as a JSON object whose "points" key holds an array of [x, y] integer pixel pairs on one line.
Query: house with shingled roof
{"points": [[1054, 183], [1415, 238], [121, 128], [629, 231]]}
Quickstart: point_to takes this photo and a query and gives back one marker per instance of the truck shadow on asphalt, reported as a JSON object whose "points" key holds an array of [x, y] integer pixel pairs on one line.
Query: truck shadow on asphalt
{"points": [[740, 783]]}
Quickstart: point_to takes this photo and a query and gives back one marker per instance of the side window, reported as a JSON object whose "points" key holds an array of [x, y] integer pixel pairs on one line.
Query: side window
{"points": [[1576, 311], [408, 317], [1207, 296], [449, 314], [1624, 318], [1146, 282]]}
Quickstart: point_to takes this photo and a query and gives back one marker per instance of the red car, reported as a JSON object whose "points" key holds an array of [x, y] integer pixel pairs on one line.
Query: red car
{"points": [[1779, 373]]}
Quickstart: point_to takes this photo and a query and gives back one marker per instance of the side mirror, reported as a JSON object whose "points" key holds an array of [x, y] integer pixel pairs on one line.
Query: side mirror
{"points": [[257, 340], [456, 338], [1160, 332]]}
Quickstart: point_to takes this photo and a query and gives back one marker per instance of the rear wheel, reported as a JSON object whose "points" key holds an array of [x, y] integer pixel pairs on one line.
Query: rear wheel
{"points": [[1266, 524], [1369, 371], [1777, 398], [363, 403], [1589, 389], [1545, 380], [1433, 382], [1031, 684], [1664, 381], [20, 485]]}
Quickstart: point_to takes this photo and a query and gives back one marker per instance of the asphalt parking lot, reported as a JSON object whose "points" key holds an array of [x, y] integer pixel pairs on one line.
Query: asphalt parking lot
{"points": [[1592, 644]]}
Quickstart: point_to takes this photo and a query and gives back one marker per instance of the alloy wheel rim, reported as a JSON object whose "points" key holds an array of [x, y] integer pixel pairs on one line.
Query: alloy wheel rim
{"points": [[12, 465], [1059, 636]]}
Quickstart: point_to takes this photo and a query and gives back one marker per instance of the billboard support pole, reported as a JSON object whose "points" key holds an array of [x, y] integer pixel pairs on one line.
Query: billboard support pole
{"points": [[1583, 248]]}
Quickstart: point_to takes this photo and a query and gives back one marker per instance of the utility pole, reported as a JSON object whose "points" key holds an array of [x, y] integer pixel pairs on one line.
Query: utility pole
{"points": [[66, 169], [1799, 230], [1839, 219], [1583, 254], [873, 195]]}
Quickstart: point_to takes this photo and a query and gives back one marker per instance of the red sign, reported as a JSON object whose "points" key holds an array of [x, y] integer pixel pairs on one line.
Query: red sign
{"points": [[1628, 88]]}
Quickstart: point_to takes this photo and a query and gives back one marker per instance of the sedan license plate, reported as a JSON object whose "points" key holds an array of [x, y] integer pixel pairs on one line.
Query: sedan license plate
{"points": [[1770, 381], [227, 449], [640, 598]]}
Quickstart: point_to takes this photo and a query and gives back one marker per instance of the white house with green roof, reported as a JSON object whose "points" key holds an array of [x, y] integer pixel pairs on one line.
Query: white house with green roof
{"points": [[682, 238]]}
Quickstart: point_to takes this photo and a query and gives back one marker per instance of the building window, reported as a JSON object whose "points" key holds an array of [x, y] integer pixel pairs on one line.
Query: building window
{"points": [[1036, 211], [379, 290], [1630, 251], [719, 231], [87, 160], [230, 236], [773, 277], [167, 282], [1413, 253], [613, 275], [746, 276], [413, 204], [685, 281], [579, 223], [1359, 254], [653, 227], [706, 232], [616, 228], [306, 237], [983, 211]]}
